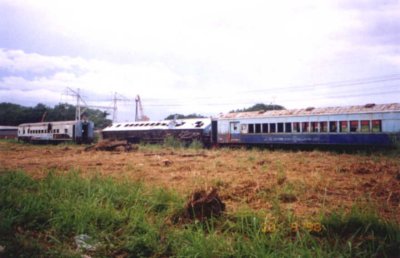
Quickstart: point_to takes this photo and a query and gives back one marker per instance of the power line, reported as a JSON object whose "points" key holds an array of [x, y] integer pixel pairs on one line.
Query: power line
{"points": [[284, 99], [335, 84]]}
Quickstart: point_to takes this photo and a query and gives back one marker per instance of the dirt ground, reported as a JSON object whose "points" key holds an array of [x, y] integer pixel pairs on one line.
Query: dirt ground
{"points": [[305, 182]]}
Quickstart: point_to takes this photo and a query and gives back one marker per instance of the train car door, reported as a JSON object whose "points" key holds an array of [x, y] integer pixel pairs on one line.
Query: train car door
{"points": [[214, 131], [234, 132], [85, 132]]}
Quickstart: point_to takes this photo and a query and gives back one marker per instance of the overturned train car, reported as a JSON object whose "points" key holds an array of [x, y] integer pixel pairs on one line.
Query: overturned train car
{"points": [[185, 130], [56, 132], [357, 126]]}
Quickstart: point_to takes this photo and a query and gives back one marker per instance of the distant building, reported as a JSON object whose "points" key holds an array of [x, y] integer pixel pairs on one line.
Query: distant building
{"points": [[8, 132]]}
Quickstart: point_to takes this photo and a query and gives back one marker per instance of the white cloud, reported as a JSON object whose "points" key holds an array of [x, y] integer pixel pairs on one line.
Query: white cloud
{"points": [[195, 56]]}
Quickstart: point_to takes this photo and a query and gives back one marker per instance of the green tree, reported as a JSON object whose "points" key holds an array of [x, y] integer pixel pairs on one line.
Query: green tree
{"points": [[180, 116], [14, 114], [259, 107]]}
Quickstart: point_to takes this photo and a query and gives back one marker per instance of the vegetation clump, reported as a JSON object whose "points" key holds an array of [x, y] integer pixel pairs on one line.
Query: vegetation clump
{"points": [[44, 218]]}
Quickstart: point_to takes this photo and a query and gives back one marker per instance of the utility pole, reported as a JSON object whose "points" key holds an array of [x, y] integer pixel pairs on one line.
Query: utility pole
{"points": [[117, 97], [139, 114], [79, 100], [76, 94]]}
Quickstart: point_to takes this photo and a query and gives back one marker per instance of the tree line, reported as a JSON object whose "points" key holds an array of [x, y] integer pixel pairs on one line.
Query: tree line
{"points": [[14, 114], [259, 107]]}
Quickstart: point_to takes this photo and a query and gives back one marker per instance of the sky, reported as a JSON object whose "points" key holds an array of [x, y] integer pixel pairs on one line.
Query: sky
{"points": [[205, 57]]}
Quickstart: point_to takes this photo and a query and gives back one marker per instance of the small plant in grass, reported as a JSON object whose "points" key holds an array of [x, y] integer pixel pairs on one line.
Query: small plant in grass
{"points": [[281, 175], [172, 142], [196, 145], [251, 158], [219, 183]]}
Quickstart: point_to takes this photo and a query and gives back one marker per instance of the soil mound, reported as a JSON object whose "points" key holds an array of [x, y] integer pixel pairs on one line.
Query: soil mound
{"points": [[203, 205], [109, 145]]}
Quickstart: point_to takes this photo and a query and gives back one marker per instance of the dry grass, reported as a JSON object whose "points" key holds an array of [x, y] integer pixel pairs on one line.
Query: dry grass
{"points": [[306, 183]]}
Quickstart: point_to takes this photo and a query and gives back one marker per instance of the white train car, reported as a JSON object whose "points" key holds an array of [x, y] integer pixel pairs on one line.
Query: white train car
{"points": [[185, 130], [60, 131], [8, 132]]}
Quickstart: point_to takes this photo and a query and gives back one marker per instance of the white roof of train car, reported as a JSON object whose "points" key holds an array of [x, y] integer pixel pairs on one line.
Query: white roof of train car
{"points": [[50, 122], [179, 124], [7, 127], [311, 111]]}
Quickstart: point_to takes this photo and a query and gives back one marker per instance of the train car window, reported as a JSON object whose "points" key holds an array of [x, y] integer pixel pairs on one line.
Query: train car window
{"points": [[65, 130], [353, 126], [280, 127], [376, 126], [314, 127], [251, 128], [199, 124], [344, 127], [288, 127], [332, 126], [243, 128], [304, 127], [265, 128], [258, 128], [296, 127], [365, 126], [323, 127], [272, 128]]}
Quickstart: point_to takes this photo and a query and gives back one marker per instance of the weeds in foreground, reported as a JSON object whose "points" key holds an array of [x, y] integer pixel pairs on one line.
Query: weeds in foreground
{"points": [[43, 217]]}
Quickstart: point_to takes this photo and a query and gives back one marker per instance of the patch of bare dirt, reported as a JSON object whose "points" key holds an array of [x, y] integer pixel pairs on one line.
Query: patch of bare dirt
{"points": [[243, 177]]}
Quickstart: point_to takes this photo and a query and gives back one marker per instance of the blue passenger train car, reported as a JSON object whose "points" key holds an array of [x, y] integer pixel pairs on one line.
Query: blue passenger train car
{"points": [[375, 125]]}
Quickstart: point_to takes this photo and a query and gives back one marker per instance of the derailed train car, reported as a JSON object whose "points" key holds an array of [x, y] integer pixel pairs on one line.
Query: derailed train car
{"points": [[358, 126], [56, 132], [185, 130], [370, 125]]}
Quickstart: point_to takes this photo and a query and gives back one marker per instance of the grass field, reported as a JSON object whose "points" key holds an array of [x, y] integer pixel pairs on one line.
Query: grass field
{"points": [[279, 203]]}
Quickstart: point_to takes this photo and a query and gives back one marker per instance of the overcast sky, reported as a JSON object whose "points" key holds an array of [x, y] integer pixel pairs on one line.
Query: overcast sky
{"points": [[203, 57]]}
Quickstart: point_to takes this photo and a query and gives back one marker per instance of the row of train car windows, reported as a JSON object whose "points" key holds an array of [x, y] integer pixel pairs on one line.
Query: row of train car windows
{"points": [[363, 126], [197, 124], [44, 131], [146, 124]]}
